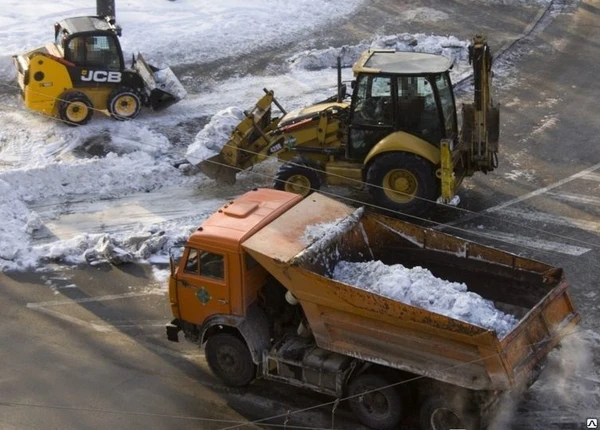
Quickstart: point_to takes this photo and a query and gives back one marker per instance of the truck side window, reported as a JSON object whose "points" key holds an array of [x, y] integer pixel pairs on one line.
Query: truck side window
{"points": [[191, 265], [212, 265]]}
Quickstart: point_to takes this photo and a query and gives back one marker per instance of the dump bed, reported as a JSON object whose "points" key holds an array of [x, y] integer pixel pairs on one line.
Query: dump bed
{"points": [[302, 247]]}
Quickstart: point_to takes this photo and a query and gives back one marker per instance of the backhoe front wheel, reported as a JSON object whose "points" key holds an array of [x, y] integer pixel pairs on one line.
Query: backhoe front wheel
{"points": [[375, 406], [229, 358], [124, 104], [75, 108], [402, 182], [297, 176]]}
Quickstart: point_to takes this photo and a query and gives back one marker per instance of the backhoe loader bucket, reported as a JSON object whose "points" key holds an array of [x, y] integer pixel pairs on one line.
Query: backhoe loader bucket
{"points": [[163, 86], [215, 168]]}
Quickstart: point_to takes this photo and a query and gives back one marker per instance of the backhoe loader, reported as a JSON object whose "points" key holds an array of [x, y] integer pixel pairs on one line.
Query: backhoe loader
{"points": [[398, 135]]}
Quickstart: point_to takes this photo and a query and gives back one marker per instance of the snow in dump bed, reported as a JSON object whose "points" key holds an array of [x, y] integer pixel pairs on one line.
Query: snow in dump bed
{"points": [[211, 139], [418, 287]]}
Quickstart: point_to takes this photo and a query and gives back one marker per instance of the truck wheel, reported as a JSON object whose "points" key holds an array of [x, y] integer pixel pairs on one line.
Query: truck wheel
{"points": [[75, 108], [377, 409], [229, 359], [402, 182], [438, 413], [297, 176], [124, 104]]}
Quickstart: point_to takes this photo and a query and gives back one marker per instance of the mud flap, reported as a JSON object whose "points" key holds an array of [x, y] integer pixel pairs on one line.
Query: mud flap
{"points": [[163, 86], [215, 168]]}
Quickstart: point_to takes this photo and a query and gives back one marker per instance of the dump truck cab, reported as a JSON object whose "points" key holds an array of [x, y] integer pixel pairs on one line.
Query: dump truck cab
{"points": [[400, 93], [216, 281]]}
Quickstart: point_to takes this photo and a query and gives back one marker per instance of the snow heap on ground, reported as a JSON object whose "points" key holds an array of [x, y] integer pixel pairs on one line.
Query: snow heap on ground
{"points": [[213, 137], [448, 46], [418, 287]]}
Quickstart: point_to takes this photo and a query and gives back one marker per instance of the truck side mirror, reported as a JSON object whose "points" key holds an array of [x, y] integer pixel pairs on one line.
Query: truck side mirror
{"points": [[175, 253]]}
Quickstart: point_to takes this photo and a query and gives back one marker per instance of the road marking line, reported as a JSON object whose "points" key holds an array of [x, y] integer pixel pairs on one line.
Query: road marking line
{"points": [[544, 189], [91, 299], [535, 193], [73, 320], [553, 219], [576, 198], [44, 307], [591, 177], [530, 242]]}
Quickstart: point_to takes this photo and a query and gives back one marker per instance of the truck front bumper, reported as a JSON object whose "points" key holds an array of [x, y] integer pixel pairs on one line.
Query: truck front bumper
{"points": [[173, 329]]}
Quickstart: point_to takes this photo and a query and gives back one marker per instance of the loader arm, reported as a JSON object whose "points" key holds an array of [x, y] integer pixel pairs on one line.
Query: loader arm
{"points": [[252, 141]]}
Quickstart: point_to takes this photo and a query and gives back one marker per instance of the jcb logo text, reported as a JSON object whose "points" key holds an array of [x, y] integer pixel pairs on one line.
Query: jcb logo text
{"points": [[100, 76]]}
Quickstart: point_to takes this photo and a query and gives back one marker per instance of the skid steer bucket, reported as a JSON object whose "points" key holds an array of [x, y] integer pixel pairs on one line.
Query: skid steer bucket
{"points": [[163, 87]]}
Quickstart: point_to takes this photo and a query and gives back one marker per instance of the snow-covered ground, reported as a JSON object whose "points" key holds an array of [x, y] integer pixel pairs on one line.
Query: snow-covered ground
{"points": [[66, 190], [45, 172]]}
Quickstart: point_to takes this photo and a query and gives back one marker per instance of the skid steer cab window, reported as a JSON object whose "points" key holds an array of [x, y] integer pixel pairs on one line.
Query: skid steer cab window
{"points": [[99, 52], [205, 264]]}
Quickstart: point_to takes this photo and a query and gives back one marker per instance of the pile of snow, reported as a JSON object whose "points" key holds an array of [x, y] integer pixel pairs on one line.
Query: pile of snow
{"points": [[418, 287], [213, 137], [448, 46]]}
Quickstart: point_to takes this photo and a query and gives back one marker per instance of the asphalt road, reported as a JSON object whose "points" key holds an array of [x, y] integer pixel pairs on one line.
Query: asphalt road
{"points": [[84, 348]]}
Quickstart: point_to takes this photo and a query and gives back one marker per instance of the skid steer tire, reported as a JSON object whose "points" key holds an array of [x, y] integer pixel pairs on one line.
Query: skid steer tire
{"points": [[377, 409], [297, 176], [402, 182], [230, 360], [124, 104], [75, 108]]}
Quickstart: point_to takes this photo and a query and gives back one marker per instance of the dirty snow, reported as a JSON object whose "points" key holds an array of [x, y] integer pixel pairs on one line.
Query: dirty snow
{"points": [[213, 137], [418, 287]]}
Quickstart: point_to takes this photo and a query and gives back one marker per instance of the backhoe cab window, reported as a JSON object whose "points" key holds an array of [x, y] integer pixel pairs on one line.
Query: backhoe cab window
{"points": [[205, 264], [373, 103], [417, 109], [94, 51]]}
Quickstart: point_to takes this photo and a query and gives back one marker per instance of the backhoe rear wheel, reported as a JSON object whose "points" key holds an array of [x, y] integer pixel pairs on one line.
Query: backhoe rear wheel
{"points": [[229, 358], [75, 108], [402, 182], [297, 176], [124, 104]]}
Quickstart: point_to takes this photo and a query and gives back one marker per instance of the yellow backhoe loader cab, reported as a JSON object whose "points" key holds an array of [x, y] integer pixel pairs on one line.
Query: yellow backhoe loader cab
{"points": [[84, 71]]}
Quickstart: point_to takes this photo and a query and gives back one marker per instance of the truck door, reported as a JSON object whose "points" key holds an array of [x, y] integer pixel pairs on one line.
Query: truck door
{"points": [[202, 287]]}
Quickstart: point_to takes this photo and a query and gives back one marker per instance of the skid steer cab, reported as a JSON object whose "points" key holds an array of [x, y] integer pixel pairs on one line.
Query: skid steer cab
{"points": [[84, 71], [399, 135]]}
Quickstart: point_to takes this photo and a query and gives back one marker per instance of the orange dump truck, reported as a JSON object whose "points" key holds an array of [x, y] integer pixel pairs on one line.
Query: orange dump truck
{"points": [[257, 292]]}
